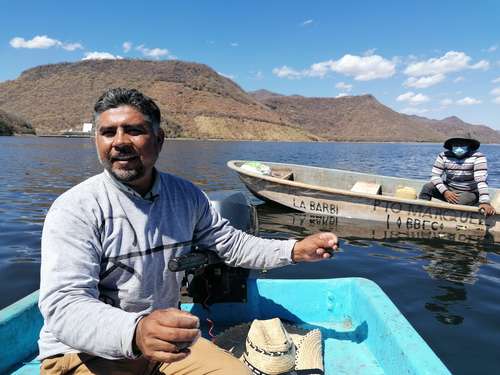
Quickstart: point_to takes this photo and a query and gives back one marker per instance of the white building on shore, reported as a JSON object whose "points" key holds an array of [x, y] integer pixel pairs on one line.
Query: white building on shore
{"points": [[87, 127]]}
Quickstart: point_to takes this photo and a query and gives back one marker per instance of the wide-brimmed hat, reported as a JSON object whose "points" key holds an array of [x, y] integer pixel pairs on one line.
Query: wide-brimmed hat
{"points": [[473, 144], [273, 348]]}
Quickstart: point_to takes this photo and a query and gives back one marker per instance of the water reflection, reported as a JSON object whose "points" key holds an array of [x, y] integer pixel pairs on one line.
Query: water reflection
{"points": [[443, 303], [447, 255]]}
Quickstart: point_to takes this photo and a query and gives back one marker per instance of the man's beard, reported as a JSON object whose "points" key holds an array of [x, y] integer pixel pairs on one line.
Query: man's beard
{"points": [[124, 175]]}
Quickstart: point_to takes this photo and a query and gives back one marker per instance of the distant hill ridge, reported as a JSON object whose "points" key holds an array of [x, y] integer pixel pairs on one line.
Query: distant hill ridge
{"points": [[197, 102], [364, 118]]}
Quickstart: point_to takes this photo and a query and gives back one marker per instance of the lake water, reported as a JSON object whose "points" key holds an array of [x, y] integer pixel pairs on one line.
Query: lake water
{"points": [[449, 291]]}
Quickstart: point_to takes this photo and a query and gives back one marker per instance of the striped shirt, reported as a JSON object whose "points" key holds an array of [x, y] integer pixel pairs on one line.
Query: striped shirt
{"points": [[466, 174]]}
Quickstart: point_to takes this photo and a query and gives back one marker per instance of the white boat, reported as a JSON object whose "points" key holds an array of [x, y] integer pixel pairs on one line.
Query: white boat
{"points": [[348, 194]]}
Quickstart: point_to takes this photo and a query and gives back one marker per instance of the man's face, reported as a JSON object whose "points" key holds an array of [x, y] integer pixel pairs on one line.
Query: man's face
{"points": [[127, 146]]}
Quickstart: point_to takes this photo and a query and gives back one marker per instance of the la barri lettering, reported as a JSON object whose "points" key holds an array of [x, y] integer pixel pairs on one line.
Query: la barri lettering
{"points": [[316, 206]]}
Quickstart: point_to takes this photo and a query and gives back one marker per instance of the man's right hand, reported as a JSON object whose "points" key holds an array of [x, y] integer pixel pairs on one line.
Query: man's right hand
{"points": [[451, 197], [163, 335]]}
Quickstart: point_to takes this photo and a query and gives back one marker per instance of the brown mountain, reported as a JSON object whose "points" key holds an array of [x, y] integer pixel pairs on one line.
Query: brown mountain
{"points": [[11, 125], [363, 118], [195, 100], [453, 126]]}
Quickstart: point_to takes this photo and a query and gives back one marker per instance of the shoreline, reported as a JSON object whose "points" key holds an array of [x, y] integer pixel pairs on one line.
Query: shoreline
{"points": [[246, 140]]}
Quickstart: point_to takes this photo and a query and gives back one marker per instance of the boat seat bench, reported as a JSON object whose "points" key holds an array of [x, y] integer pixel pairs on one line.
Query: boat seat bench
{"points": [[367, 187], [284, 174]]}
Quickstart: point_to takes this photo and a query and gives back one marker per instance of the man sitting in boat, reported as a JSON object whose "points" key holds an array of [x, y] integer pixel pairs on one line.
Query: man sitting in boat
{"points": [[108, 301], [459, 175]]}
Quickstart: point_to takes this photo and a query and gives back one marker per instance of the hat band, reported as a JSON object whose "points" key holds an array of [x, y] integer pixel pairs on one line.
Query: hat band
{"points": [[265, 352]]}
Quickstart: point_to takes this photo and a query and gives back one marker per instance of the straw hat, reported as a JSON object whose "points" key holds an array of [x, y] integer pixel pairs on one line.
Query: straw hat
{"points": [[273, 348]]}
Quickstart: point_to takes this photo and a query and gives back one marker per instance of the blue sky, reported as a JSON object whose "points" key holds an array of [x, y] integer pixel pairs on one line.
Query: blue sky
{"points": [[431, 58]]}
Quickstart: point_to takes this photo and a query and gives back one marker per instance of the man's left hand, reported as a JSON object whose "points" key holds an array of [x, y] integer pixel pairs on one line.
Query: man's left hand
{"points": [[487, 208], [314, 247]]}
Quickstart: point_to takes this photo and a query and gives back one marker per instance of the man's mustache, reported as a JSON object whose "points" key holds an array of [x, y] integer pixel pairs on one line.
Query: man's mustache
{"points": [[123, 156]]}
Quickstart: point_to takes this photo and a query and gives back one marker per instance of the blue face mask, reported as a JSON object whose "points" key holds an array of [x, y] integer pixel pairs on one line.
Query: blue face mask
{"points": [[460, 151]]}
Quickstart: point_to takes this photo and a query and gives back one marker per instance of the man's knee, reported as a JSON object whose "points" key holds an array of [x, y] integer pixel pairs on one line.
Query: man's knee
{"points": [[206, 358], [468, 198], [426, 192]]}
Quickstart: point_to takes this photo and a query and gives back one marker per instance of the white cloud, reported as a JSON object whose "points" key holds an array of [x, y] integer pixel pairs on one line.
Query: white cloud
{"points": [[446, 102], [100, 56], [306, 22], [259, 75], [43, 42], [459, 79], [342, 94], [451, 61], [492, 48], [230, 76], [496, 80], [287, 72], [425, 81], [344, 86], [496, 100], [71, 46], [483, 65], [468, 101], [495, 91], [362, 68], [154, 53], [127, 46], [234, 44], [412, 98], [414, 111]]}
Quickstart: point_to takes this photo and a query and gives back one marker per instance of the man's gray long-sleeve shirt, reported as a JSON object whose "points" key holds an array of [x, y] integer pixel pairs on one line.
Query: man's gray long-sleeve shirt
{"points": [[105, 251]]}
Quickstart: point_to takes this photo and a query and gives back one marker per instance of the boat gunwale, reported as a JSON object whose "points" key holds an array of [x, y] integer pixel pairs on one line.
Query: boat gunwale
{"points": [[232, 165]]}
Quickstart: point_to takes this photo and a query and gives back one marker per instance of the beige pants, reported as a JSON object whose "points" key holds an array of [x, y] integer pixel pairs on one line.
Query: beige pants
{"points": [[205, 358]]}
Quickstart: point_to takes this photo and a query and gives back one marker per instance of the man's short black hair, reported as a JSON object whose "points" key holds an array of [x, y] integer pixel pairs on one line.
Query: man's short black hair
{"points": [[117, 97]]}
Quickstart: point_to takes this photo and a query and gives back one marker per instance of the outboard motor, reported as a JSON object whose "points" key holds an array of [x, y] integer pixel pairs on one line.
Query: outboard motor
{"points": [[207, 278]]}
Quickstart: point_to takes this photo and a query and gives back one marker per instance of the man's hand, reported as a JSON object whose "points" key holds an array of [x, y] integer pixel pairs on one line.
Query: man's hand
{"points": [[314, 247], [487, 209], [165, 335], [451, 197]]}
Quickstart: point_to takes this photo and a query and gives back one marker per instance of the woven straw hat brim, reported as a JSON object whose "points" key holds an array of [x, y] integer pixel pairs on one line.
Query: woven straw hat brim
{"points": [[308, 347], [309, 353]]}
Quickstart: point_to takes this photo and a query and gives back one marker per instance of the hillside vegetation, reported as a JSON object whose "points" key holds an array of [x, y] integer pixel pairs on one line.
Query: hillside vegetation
{"points": [[197, 102], [363, 118]]}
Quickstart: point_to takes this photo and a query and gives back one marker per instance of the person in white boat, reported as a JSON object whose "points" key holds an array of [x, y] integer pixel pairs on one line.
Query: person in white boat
{"points": [[460, 175], [108, 301]]}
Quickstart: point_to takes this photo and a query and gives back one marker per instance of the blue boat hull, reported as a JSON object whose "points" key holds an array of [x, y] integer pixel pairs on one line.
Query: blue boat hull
{"points": [[363, 331]]}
